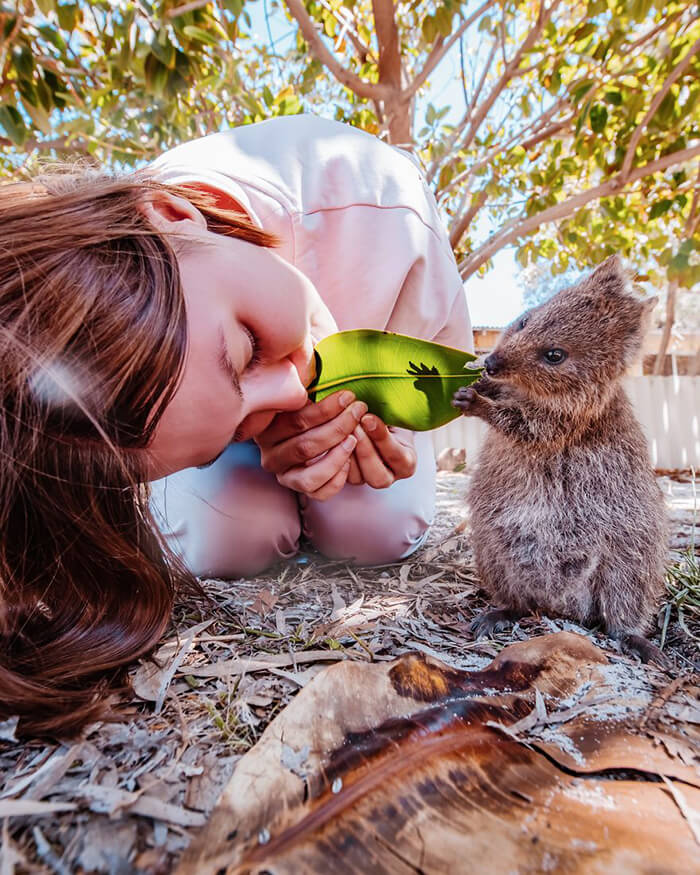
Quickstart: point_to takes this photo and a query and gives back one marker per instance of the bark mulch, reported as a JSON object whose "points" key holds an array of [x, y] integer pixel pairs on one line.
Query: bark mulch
{"points": [[128, 796]]}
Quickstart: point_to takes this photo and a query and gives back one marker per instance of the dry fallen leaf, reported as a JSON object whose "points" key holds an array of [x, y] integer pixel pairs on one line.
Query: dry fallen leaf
{"points": [[264, 602], [397, 767]]}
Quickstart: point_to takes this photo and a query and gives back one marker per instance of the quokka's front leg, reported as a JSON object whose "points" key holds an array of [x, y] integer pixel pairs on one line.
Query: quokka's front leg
{"points": [[505, 417]]}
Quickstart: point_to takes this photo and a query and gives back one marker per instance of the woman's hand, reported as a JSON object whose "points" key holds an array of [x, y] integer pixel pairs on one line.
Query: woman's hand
{"points": [[309, 449], [383, 455]]}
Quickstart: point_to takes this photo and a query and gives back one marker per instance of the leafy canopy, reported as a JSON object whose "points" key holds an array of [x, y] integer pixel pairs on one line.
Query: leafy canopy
{"points": [[576, 132]]}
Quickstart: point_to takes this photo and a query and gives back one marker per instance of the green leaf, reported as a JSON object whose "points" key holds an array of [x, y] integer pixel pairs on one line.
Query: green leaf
{"points": [[12, 122], [429, 28], [68, 15], [405, 381], [659, 208], [156, 74], [200, 35], [599, 117]]}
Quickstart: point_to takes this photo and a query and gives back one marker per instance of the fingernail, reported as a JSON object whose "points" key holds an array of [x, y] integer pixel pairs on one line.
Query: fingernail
{"points": [[346, 399], [370, 423], [349, 443], [359, 410]]}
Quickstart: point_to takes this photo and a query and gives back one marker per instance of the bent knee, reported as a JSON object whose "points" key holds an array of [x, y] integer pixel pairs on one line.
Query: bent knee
{"points": [[368, 539], [244, 552], [236, 531]]}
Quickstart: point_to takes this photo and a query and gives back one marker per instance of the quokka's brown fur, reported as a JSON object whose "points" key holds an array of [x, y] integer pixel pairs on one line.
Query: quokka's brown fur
{"points": [[567, 518]]}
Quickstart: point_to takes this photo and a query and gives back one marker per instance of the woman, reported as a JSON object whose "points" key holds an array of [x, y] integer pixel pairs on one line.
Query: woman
{"points": [[153, 327]]}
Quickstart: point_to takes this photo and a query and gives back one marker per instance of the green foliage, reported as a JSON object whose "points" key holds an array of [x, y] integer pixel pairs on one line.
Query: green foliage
{"points": [[683, 592], [405, 381], [548, 111]]}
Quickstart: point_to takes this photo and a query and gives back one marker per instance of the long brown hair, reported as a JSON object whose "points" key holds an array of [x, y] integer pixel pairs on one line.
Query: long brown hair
{"points": [[92, 343]]}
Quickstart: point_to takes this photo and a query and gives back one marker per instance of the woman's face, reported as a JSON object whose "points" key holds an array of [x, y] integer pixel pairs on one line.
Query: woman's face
{"points": [[249, 353]]}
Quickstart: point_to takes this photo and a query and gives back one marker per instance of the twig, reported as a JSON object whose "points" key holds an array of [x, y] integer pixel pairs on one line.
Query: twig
{"points": [[660, 700], [186, 7], [522, 225], [675, 74], [441, 48], [47, 853], [370, 90], [692, 817]]}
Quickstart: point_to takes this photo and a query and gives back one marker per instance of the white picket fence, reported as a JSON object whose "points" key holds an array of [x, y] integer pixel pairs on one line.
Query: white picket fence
{"points": [[667, 407]]}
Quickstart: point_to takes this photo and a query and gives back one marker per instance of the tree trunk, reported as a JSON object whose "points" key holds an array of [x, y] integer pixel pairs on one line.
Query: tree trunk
{"points": [[400, 122], [668, 325]]}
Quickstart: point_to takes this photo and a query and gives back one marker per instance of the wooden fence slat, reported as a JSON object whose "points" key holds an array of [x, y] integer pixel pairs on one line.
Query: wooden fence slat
{"points": [[668, 409]]}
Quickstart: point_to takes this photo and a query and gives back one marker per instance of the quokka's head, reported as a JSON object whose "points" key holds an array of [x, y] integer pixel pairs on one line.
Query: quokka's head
{"points": [[576, 343]]}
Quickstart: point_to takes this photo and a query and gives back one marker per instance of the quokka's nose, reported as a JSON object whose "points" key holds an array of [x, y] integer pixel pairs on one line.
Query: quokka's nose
{"points": [[493, 364]]}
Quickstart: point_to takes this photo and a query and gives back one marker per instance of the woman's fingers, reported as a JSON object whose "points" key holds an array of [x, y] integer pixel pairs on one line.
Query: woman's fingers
{"points": [[286, 425], [305, 448], [372, 468], [334, 485], [354, 475], [310, 479], [395, 447]]}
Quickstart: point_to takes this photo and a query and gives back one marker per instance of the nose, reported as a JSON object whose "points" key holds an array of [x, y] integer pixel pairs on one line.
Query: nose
{"points": [[303, 360], [493, 364], [274, 388]]}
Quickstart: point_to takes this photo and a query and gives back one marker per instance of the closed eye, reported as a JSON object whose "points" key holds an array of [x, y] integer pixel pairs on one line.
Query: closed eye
{"points": [[255, 355], [226, 365]]}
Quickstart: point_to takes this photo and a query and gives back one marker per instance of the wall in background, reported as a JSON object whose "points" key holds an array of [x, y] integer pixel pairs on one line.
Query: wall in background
{"points": [[668, 409]]}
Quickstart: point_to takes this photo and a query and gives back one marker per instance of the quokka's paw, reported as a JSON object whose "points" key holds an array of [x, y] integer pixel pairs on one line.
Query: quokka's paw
{"points": [[465, 399], [637, 645], [484, 625]]}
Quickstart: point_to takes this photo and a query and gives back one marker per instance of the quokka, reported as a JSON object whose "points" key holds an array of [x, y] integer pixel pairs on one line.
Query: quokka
{"points": [[567, 518]]}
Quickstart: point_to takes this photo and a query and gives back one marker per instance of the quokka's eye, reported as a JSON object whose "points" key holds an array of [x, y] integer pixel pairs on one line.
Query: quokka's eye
{"points": [[521, 324], [555, 356]]}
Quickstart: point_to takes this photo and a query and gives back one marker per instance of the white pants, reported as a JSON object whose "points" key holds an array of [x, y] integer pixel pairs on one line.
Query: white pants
{"points": [[234, 519]]}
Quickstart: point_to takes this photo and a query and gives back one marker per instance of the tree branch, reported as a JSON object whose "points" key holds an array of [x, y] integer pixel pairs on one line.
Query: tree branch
{"points": [[462, 76], [675, 74], [388, 42], [60, 144], [186, 7], [652, 33], [671, 294], [458, 230], [459, 129], [524, 225], [691, 225], [346, 24], [441, 48], [370, 90], [541, 132], [532, 37]]}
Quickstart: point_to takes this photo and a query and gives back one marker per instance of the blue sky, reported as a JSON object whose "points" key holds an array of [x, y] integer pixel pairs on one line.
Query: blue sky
{"points": [[495, 299]]}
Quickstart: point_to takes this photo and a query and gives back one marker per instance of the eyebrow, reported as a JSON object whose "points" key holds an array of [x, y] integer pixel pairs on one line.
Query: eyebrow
{"points": [[226, 365]]}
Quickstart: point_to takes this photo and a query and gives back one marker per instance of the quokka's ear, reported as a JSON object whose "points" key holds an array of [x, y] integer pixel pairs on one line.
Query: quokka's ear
{"points": [[648, 304], [611, 267]]}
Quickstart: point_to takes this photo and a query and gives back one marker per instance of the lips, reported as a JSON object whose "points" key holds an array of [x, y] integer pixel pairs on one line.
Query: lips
{"points": [[253, 425]]}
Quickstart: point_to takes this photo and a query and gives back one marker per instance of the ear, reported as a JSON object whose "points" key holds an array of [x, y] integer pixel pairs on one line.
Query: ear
{"points": [[611, 267], [648, 304], [171, 213]]}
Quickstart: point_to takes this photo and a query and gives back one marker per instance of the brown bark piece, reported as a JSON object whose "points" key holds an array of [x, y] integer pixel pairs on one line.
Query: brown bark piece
{"points": [[411, 766]]}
